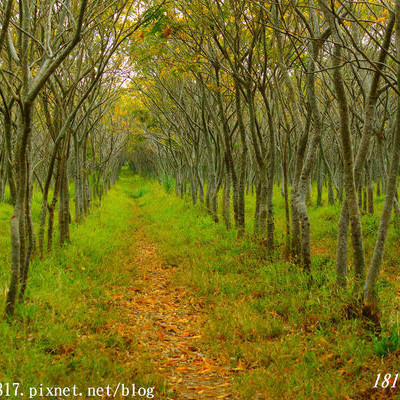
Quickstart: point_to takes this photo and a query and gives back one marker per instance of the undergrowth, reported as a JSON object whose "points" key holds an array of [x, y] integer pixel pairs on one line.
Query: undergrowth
{"points": [[60, 335], [287, 336], [295, 339]]}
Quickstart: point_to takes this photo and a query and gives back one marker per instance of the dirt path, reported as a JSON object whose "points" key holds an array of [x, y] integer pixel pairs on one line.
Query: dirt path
{"points": [[167, 322]]}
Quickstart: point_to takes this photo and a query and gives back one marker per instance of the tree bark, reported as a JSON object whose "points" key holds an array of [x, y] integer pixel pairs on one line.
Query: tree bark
{"points": [[373, 272]]}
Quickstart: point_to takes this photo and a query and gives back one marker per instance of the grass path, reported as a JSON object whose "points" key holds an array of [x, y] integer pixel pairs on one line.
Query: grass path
{"points": [[167, 324], [107, 309], [151, 291]]}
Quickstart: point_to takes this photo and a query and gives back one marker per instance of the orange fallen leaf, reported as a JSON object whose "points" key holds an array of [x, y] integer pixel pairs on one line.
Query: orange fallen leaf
{"points": [[240, 366]]}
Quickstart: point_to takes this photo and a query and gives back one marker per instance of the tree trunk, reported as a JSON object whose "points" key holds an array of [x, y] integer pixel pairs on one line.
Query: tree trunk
{"points": [[18, 234], [373, 272], [370, 191], [226, 202], [363, 148], [350, 186], [31, 234], [304, 182], [63, 211]]}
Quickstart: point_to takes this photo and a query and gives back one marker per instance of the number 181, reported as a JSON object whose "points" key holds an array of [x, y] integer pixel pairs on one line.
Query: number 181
{"points": [[387, 380]]}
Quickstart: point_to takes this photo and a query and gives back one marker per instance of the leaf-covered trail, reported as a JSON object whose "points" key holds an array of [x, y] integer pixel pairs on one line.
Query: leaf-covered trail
{"points": [[167, 322]]}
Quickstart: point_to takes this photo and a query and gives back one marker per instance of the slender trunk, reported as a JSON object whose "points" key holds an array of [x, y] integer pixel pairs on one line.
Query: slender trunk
{"points": [[331, 196], [365, 200], [320, 184], [78, 185], [309, 161], [360, 196], [370, 195], [31, 234], [262, 205], [52, 206], [43, 212], [286, 194], [350, 186], [270, 216], [193, 187], [373, 272], [63, 212], [226, 202], [363, 149], [270, 175], [215, 205], [18, 238], [85, 190], [8, 153], [241, 221], [296, 230]]}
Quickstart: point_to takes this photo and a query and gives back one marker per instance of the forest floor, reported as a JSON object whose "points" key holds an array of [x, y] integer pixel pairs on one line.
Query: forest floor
{"points": [[166, 322], [152, 292], [275, 336]]}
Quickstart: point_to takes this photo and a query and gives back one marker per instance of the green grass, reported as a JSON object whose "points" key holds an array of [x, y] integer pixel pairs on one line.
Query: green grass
{"points": [[297, 340], [60, 334]]}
